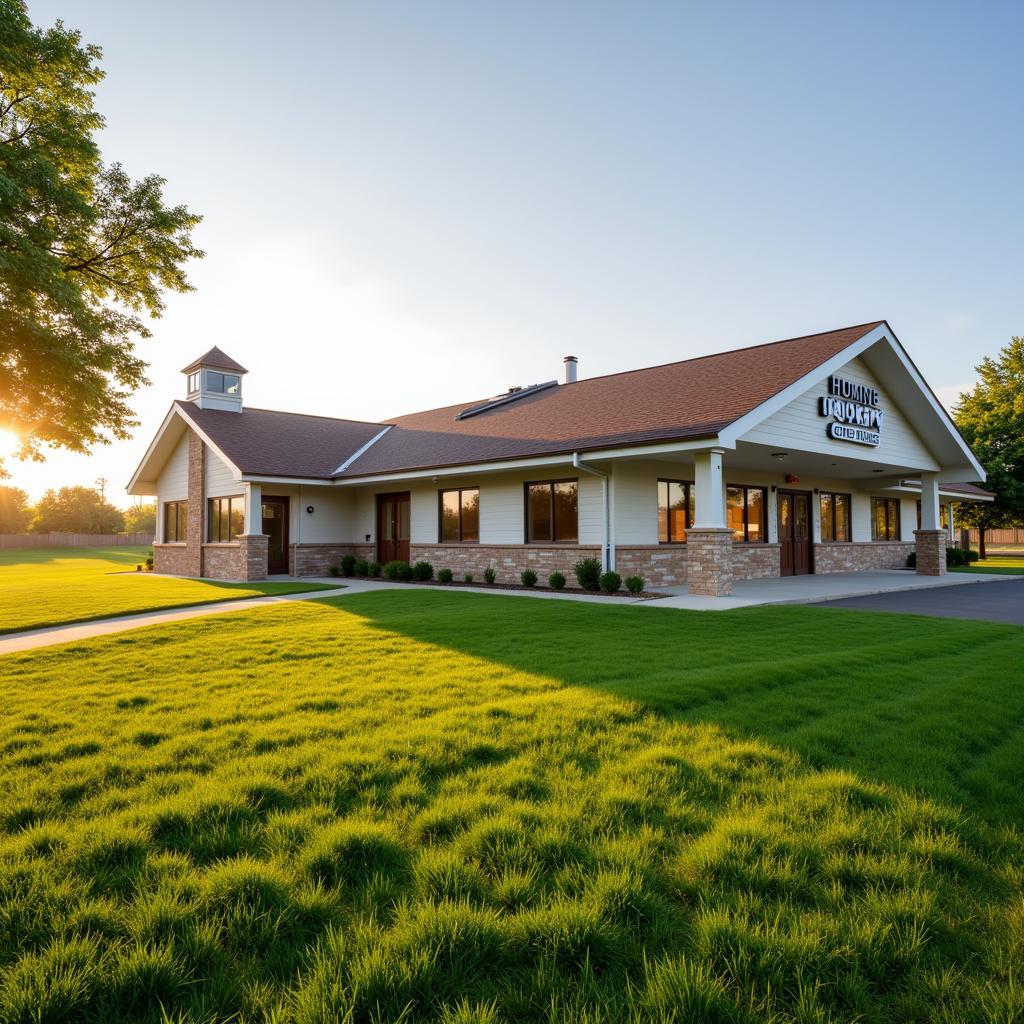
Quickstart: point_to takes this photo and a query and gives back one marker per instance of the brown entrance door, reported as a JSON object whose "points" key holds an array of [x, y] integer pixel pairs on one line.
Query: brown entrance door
{"points": [[795, 532], [275, 526], [393, 527]]}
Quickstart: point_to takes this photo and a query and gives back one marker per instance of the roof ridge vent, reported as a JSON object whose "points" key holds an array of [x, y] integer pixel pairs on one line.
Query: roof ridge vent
{"points": [[512, 395]]}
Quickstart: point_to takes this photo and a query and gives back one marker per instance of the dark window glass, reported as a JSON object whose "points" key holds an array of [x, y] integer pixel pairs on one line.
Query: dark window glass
{"points": [[175, 522], [552, 512], [835, 517], [227, 519], [675, 510], [222, 383], [745, 513], [885, 519], [460, 516]]}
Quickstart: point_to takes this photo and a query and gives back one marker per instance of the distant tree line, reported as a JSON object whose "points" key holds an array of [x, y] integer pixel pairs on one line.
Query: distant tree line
{"points": [[71, 510]]}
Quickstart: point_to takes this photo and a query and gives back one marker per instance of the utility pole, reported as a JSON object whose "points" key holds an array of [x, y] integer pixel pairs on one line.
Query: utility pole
{"points": [[101, 483]]}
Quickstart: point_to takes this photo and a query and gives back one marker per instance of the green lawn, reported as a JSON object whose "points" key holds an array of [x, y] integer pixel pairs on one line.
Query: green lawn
{"points": [[430, 806], [996, 566], [46, 586]]}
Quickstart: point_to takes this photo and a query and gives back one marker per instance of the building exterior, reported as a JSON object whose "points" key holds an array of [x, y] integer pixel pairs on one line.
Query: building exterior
{"points": [[825, 453]]}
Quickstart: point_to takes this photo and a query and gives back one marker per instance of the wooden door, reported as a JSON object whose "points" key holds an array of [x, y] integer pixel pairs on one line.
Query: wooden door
{"points": [[393, 512], [795, 532], [275, 526]]}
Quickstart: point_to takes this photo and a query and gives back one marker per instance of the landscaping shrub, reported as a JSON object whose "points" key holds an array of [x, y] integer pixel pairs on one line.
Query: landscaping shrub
{"points": [[361, 568], [635, 584], [972, 556], [398, 571], [588, 573], [490, 574], [468, 577], [611, 581], [528, 577], [373, 570], [348, 564], [556, 581], [138, 568], [955, 557], [149, 562], [334, 570], [422, 571], [912, 560], [444, 575]]}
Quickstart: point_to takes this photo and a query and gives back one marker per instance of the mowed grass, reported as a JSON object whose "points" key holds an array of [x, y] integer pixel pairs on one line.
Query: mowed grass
{"points": [[428, 806], [997, 565], [47, 586]]}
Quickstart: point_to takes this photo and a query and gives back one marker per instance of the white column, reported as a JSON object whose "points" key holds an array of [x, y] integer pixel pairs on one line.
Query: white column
{"points": [[950, 524], [930, 501], [709, 491], [158, 531], [253, 509]]}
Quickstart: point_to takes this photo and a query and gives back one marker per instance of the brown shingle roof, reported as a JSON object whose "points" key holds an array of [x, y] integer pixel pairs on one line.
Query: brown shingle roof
{"points": [[218, 360], [267, 443], [689, 399]]}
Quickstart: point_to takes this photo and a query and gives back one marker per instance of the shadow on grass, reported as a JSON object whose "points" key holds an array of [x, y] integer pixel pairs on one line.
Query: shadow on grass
{"points": [[933, 705]]}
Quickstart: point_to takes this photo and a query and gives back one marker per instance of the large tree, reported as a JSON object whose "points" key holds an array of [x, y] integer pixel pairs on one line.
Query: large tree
{"points": [[140, 518], [85, 252], [15, 511], [991, 418], [77, 510]]}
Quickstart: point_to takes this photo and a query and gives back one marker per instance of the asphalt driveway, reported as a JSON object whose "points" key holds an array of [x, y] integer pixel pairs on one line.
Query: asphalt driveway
{"points": [[994, 602]]}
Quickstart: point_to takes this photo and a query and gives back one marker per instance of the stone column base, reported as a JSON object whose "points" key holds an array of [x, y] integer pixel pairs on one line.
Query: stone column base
{"points": [[255, 551], [709, 562], [930, 546]]}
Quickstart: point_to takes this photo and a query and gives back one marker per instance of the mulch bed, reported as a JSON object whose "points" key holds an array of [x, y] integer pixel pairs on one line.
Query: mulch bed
{"points": [[646, 595]]}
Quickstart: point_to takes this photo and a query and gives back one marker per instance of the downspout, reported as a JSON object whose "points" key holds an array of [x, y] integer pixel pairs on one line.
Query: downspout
{"points": [[607, 548]]}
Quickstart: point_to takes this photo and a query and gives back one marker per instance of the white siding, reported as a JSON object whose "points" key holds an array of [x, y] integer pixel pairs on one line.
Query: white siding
{"points": [[800, 427], [172, 484], [220, 480], [332, 520], [635, 498]]}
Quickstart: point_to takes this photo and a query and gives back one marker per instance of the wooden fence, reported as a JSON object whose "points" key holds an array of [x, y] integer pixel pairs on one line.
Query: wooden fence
{"points": [[74, 540], [1000, 538]]}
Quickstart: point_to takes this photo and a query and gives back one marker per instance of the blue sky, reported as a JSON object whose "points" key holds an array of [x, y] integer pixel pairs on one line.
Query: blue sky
{"points": [[408, 205]]}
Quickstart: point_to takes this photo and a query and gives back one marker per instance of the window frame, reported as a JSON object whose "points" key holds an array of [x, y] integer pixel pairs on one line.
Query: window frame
{"points": [[230, 499], [746, 512], [211, 375], [887, 539], [195, 381], [180, 508], [822, 495], [550, 484], [689, 488], [440, 514]]}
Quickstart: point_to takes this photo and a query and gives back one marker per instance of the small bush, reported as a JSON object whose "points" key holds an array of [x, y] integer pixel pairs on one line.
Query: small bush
{"points": [[348, 564], [588, 573], [490, 574], [611, 581], [468, 577], [912, 560], [444, 575], [971, 556], [556, 581], [373, 570], [138, 568], [397, 570], [635, 584], [422, 571], [528, 577], [334, 570], [149, 563], [955, 557], [361, 568]]}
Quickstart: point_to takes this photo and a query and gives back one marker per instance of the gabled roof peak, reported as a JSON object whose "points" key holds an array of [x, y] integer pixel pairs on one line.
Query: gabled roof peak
{"points": [[217, 360]]}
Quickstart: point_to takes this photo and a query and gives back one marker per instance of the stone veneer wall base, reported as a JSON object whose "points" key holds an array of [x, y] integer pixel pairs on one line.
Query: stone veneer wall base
{"points": [[930, 546], [709, 568], [509, 560], [860, 556]]}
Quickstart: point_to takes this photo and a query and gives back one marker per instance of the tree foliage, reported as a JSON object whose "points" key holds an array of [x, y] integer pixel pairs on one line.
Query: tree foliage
{"points": [[77, 510], [140, 518], [15, 511], [991, 418], [86, 253]]}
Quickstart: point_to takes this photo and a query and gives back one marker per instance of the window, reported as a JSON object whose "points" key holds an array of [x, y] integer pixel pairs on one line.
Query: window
{"points": [[193, 382], [175, 522], [552, 512], [222, 383], [943, 516], [885, 519], [745, 513], [460, 516], [675, 510], [227, 519], [835, 516]]}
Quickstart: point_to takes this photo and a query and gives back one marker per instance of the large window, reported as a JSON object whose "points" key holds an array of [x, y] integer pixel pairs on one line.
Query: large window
{"points": [[745, 511], [943, 516], [885, 518], [460, 516], [835, 516], [227, 519], [552, 512], [175, 522], [675, 510], [222, 383]]}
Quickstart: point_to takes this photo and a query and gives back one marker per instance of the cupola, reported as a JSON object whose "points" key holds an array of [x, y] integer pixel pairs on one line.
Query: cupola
{"points": [[215, 381]]}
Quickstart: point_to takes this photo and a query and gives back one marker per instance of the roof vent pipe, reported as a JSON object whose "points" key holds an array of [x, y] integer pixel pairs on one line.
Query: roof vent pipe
{"points": [[570, 363]]}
